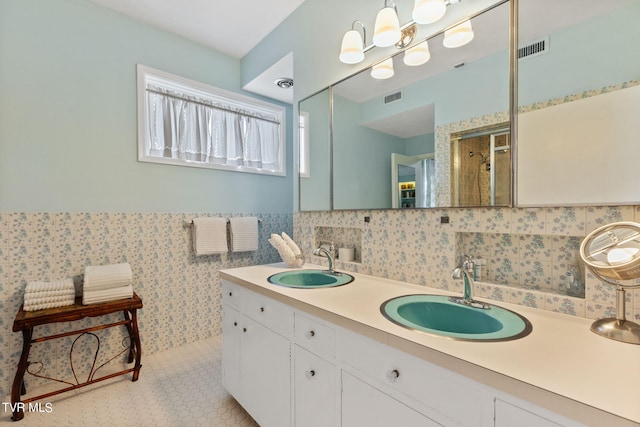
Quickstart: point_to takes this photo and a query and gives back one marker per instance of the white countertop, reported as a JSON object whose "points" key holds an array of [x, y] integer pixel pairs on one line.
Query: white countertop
{"points": [[561, 365]]}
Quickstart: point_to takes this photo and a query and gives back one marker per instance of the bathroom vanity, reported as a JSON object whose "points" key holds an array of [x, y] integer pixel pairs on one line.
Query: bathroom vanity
{"points": [[328, 357]]}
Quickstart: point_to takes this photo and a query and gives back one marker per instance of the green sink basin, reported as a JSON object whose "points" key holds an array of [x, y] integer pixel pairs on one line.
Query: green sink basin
{"points": [[439, 315], [310, 279]]}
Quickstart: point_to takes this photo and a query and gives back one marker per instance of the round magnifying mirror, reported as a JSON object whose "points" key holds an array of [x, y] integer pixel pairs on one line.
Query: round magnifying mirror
{"points": [[612, 253]]}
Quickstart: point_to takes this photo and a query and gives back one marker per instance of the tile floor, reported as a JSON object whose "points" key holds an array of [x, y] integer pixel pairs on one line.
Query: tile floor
{"points": [[178, 387]]}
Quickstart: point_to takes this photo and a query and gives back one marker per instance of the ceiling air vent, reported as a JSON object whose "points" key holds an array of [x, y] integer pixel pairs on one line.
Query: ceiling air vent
{"points": [[397, 96], [534, 48]]}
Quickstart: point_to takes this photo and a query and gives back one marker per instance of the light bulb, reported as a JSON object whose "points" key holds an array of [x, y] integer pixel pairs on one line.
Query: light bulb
{"points": [[418, 54], [387, 28], [459, 35], [428, 11], [383, 70], [621, 255], [351, 51]]}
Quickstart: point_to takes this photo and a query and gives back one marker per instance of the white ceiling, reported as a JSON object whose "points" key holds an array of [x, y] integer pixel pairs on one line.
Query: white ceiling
{"points": [[232, 27]]}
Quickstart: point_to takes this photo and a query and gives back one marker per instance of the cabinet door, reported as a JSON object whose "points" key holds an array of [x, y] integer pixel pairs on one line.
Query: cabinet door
{"points": [[508, 415], [364, 405], [231, 328], [266, 374], [316, 398]]}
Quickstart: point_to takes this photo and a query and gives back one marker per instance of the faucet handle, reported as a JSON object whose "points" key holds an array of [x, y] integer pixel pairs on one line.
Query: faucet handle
{"points": [[468, 264]]}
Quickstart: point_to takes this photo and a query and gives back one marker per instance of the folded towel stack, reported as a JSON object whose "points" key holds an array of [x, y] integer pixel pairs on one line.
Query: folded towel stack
{"points": [[288, 250], [41, 295], [104, 283]]}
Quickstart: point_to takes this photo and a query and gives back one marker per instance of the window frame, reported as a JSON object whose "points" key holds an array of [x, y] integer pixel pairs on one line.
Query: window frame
{"points": [[304, 166], [171, 81]]}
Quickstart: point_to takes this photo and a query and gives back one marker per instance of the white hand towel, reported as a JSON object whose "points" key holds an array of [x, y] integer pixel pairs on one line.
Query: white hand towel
{"points": [[210, 236], [107, 276], [296, 250], [93, 296], [244, 234]]}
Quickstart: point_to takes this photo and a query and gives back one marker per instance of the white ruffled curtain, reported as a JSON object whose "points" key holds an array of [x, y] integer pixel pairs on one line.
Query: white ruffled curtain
{"points": [[190, 129]]}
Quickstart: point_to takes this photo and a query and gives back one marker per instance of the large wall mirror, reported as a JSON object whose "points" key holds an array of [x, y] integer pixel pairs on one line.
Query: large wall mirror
{"points": [[578, 91], [579, 103], [392, 138]]}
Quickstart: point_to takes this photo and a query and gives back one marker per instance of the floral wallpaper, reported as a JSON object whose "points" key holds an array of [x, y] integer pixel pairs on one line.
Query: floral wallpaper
{"points": [[528, 247], [180, 291]]}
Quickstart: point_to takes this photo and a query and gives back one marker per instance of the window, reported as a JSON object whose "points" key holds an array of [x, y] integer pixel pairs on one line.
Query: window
{"points": [[183, 122], [304, 145]]}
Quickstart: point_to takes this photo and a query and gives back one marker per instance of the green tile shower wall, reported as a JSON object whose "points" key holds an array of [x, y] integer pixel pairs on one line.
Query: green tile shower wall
{"points": [[413, 246], [180, 292]]}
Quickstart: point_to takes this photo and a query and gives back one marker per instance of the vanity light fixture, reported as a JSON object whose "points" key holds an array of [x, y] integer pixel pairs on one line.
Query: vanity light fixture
{"points": [[387, 28], [428, 11], [459, 35], [353, 44], [612, 253], [383, 70], [388, 32], [418, 54]]}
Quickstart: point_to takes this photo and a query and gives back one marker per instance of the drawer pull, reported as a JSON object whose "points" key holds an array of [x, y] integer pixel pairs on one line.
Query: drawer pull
{"points": [[310, 374], [230, 294], [244, 329], [235, 323], [393, 375], [261, 309], [310, 334]]}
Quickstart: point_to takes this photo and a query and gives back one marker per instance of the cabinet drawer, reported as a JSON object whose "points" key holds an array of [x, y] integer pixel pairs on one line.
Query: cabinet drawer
{"points": [[272, 314], [442, 392], [315, 335], [230, 294]]}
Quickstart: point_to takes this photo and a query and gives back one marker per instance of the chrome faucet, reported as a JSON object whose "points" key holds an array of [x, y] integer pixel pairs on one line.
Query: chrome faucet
{"points": [[466, 274], [324, 252]]}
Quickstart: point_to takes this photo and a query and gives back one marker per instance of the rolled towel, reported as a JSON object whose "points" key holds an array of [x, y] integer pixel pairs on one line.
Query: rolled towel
{"points": [[97, 296], [39, 295], [34, 299], [55, 285], [244, 234], [35, 307], [210, 236], [97, 277], [46, 294]]}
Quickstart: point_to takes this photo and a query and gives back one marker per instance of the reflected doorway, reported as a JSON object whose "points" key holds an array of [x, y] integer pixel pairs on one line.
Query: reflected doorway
{"points": [[413, 181], [481, 167]]}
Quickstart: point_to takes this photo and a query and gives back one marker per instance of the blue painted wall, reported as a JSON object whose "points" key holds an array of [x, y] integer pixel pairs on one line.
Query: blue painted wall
{"points": [[68, 130]]}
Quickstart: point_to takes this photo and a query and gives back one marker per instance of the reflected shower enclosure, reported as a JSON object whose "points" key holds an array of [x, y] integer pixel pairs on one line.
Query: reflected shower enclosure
{"points": [[481, 167]]}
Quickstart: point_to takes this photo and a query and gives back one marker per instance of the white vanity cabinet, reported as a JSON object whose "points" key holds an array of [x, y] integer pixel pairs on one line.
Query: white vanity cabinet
{"points": [[256, 356], [289, 368]]}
